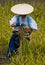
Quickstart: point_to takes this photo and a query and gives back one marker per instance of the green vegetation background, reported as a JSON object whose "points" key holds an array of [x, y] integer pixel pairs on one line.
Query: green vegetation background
{"points": [[35, 53]]}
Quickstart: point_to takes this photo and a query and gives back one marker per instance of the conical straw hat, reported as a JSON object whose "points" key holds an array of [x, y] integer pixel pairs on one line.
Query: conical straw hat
{"points": [[22, 9]]}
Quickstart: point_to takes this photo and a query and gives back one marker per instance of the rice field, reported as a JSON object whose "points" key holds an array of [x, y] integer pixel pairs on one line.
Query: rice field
{"points": [[32, 53]]}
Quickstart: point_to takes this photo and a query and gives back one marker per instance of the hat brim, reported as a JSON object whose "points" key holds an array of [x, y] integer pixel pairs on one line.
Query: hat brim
{"points": [[22, 9]]}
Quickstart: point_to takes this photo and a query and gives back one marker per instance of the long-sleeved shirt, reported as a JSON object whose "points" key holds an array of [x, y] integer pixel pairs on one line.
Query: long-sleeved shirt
{"points": [[33, 24]]}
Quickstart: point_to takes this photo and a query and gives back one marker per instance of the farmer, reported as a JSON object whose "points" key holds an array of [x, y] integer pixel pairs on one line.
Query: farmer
{"points": [[20, 19]]}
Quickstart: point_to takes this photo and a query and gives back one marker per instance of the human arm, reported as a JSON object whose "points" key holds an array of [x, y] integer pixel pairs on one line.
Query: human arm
{"points": [[33, 25], [13, 21]]}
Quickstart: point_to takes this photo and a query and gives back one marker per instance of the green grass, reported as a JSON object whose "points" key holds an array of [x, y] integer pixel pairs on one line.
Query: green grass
{"points": [[35, 53]]}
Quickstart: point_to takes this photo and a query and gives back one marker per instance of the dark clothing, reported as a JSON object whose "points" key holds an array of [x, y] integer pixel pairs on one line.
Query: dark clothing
{"points": [[14, 43]]}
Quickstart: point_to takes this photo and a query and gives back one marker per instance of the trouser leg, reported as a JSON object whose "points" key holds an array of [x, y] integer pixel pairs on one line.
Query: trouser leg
{"points": [[14, 43], [11, 45]]}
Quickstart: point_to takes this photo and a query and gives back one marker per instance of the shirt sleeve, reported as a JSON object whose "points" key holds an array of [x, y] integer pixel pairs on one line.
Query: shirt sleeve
{"points": [[33, 24], [13, 20]]}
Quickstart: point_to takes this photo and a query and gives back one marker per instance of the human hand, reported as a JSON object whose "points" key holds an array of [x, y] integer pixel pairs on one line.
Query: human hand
{"points": [[25, 27]]}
